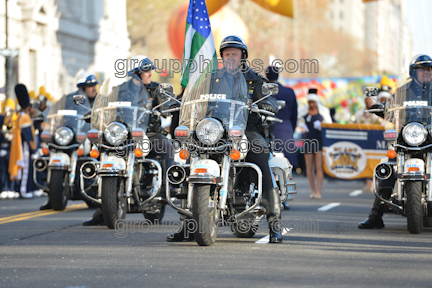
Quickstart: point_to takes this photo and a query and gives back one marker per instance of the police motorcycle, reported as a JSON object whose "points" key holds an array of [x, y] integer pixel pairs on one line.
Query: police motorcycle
{"points": [[408, 131], [128, 181], [64, 133], [217, 186]]}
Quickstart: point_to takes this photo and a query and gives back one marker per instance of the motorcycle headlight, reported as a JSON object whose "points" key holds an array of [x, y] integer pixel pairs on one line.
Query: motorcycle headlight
{"points": [[63, 136], [209, 131], [115, 133], [414, 134]]}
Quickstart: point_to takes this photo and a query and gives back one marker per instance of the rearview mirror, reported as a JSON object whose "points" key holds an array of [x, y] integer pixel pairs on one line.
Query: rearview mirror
{"points": [[371, 91], [35, 103], [79, 99], [270, 89], [166, 87], [281, 104]]}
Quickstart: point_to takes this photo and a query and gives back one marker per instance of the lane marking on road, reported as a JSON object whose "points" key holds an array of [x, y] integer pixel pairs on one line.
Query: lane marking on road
{"points": [[265, 240], [29, 215], [328, 206], [355, 193]]}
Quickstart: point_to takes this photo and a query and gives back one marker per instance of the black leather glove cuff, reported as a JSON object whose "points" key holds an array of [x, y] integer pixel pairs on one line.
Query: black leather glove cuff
{"points": [[269, 104]]}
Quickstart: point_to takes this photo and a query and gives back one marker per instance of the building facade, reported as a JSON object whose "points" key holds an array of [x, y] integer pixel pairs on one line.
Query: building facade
{"points": [[58, 38], [379, 27]]}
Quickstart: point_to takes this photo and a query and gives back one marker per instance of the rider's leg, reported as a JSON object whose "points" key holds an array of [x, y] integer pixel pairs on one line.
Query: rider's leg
{"points": [[259, 155], [385, 188]]}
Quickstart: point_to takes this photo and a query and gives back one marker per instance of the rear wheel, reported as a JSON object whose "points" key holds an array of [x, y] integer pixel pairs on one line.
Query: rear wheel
{"points": [[113, 200], [91, 204], [58, 195], [204, 209], [244, 229], [155, 217], [427, 221], [414, 208]]}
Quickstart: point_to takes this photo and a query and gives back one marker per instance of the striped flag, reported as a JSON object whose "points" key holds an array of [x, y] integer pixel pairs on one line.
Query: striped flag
{"points": [[199, 43]]}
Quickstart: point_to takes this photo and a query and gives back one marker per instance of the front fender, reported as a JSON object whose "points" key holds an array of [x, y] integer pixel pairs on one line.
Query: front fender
{"points": [[59, 160], [112, 165], [205, 171]]}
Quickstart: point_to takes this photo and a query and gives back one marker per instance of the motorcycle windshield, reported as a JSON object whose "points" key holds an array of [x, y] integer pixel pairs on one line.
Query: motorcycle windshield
{"points": [[411, 102], [215, 93], [123, 100], [64, 113]]}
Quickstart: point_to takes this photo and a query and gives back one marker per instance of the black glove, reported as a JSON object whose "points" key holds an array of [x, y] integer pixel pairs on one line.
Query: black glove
{"points": [[377, 106], [270, 104], [87, 117]]}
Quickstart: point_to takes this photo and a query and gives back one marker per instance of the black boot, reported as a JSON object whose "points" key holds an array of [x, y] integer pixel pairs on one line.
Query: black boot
{"points": [[275, 234], [375, 217], [97, 219], [373, 222], [271, 201], [285, 205], [46, 206], [182, 234]]}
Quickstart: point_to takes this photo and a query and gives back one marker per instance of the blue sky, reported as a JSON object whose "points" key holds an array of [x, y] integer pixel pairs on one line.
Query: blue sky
{"points": [[418, 17]]}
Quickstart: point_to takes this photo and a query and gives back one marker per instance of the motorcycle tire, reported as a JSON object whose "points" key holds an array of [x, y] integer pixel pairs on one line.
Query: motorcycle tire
{"points": [[113, 200], [414, 209], [91, 204], [155, 218], [244, 229], [58, 195], [427, 221], [205, 217]]}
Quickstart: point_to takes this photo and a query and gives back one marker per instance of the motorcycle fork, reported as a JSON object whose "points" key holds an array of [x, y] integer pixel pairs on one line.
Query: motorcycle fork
{"points": [[226, 166], [74, 160], [193, 160], [429, 181], [400, 167], [130, 172]]}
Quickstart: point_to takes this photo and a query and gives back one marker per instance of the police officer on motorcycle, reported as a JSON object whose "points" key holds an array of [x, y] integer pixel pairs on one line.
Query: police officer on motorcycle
{"points": [[142, 68], [420, 70], [86, 83], [233, 50], [161, 146]]}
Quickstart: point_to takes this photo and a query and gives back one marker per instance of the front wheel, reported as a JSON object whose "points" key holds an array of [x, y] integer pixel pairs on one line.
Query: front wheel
{"points": [[57, 190], [113, 200], [204, 209], [414, 209]]}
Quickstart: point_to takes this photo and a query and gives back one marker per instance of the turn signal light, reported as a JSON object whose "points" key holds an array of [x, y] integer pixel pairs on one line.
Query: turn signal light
{"points": [[413, 169], [235, 154], [138, 153], [184, 154], [80, 152], [108, 165], [94, 153], [391, 153], [45, 151]]}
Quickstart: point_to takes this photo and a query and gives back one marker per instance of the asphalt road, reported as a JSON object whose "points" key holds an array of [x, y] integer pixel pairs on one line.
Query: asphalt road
{"points": [[53, 249]]}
